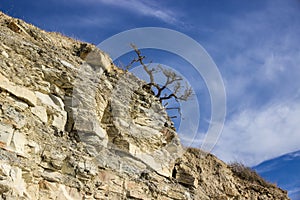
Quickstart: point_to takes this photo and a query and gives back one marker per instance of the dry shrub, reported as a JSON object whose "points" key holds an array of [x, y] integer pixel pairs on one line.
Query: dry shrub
{"points": [[248, 174]]}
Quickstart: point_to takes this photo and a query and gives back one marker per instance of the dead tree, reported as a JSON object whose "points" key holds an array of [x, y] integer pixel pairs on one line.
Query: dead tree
{"points": [[173, 82]]}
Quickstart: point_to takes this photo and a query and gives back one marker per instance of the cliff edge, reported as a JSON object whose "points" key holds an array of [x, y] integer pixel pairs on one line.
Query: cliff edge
{"points": [[74, 126]]}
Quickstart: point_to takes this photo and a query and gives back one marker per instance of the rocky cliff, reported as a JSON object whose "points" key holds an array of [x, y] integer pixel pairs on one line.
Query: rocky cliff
{"points": [[74, 126]]}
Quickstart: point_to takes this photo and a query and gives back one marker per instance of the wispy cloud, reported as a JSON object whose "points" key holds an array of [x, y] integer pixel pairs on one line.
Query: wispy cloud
{"points": [[262, 66], [253, 136], [294, 193], [142, 7], [268, 54]]}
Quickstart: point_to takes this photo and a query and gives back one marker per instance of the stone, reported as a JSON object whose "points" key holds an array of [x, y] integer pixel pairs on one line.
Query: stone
{"points": [[45, 99], [36, 148], [32, 191], [3, 53], [59, 120], [89, 124], [4, 169], [16, 118], [52, 176], [68, 193], [58, 115], [67, 64], [94, 142], [14, 27], [18, 182], [14, 178], [99, 59], [136, 191], [17, 91], [6, 133], [185, 176], [44, 86], [40, 112], [18, 142], [53, 190], [19, 105], [58, 101]]}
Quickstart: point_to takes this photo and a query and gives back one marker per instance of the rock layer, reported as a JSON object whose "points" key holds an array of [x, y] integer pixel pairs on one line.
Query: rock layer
{"points": [[74, 126]]}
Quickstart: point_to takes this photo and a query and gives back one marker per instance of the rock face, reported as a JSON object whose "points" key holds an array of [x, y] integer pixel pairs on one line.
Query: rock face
{"points": [[74, 126]]}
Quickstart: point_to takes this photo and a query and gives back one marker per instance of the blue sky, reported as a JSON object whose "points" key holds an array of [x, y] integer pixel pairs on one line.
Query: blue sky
{"points": [[287, 172], [255, 45]]}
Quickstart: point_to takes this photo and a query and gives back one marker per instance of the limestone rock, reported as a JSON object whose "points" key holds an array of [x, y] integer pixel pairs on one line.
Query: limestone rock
{"points": [[12, 180], [56, 105], [59, 120], [45, 99], [74, 126], [20, 92], [6, 134], [40, 112], [18, 142], [96, 58]]}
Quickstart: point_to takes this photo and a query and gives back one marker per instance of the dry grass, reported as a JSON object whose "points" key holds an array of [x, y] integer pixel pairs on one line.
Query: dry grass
{"points": [[248, 174]]}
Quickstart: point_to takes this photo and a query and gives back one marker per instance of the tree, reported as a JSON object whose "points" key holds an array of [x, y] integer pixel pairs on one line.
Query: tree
{"points": [[171, 89]]}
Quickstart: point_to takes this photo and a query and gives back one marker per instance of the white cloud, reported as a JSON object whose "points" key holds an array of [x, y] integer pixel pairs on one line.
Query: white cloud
{"points": [[253, 136], [261, 67], [87, 21], [146, 8], [261, 51], [259, 59]]}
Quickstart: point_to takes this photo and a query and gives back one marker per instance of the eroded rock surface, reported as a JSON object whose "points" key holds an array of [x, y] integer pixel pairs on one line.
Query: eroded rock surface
{"points": [[74, 126]]}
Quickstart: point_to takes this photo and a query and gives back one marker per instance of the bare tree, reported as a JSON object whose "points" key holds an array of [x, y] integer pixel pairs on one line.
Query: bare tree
{"points": [[171, 89]]}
